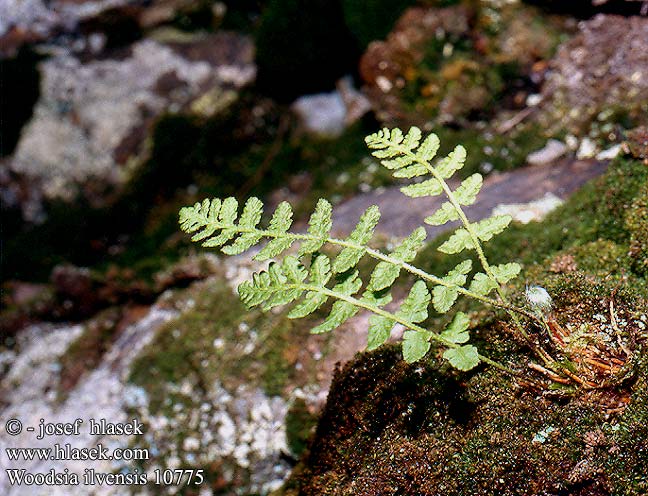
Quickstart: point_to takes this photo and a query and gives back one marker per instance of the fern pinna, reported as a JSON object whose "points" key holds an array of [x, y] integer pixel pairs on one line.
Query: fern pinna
{"points": [[309, 278]]}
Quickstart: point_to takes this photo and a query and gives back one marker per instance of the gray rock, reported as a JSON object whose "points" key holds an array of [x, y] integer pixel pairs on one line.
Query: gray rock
{"points": [[551, 152], [600, 73], [92, 120]]}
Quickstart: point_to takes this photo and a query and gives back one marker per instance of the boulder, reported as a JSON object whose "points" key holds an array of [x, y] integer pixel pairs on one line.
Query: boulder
{"points": [[90, 126], [599, 77]]}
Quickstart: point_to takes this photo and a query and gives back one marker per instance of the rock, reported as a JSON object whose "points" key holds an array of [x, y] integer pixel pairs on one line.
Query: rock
{"points": [[76, 289], [598, 76], [322, 115], [552, 151], [636, 143], [30, 392], [328, 114], [532, 187], [33, 21], [449, 65], [91, 123], [587, 149], [609, 153], [533, 211]]}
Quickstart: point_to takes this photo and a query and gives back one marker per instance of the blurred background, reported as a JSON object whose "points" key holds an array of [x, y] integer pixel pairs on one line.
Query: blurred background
{"points": [[115, 113]]}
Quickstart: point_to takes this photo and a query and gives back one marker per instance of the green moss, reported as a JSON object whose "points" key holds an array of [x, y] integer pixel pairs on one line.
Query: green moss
{"points": [[300, 425], [636, 222], [398, 429], [217, 339], [474, 65], [85, 353], [590, 215]]}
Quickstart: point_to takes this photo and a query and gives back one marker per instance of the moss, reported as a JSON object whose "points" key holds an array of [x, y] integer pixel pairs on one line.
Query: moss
{"points": [[86, 351], [636, 222], [217, 340], [589, 215], [300, 426], [390, 428], [475, 62]]}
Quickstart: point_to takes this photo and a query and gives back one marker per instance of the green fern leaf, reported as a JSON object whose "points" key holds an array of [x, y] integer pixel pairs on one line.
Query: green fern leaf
{"points": [[320, 270], [274, 248], [505, 272], [414, 170], [452, 163], [376, 298], [361, 235], [385, 273], [205, 233], [415, 307], [225, 236], [278, 285], [415, 345], [462, 358], [431, 187], [384, 142], [429, 148], [228, 212], [397, 163], [252, 212], [482, 284], [413, 138], [320, 273], [457, 276], [349, 285], [457, 330], [279, 224], [443, 298], [214, 209], [310, 303], [282, 218], [340, 313], [459, 241], [342, 310], [488, 228], [467, 191], [379, 331], [319, 226], [445, 214], [242, 243]]}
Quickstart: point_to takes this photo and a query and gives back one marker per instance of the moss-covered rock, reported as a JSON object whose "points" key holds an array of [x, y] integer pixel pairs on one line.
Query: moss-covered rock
{"points": [[456, 64], [637, 224], [391, 428], [609, 88]]}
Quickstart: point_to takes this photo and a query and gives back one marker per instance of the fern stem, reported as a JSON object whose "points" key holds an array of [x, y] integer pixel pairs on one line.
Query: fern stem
{"points": [[384, 313], [475, 240], [378, 255]]}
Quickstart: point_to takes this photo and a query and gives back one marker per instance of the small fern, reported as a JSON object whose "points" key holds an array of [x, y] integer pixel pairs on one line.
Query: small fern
{"points": [[309, 279]]}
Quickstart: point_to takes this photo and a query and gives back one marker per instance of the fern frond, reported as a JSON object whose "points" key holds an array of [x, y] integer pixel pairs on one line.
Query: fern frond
{"points": [[309, 279]]}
